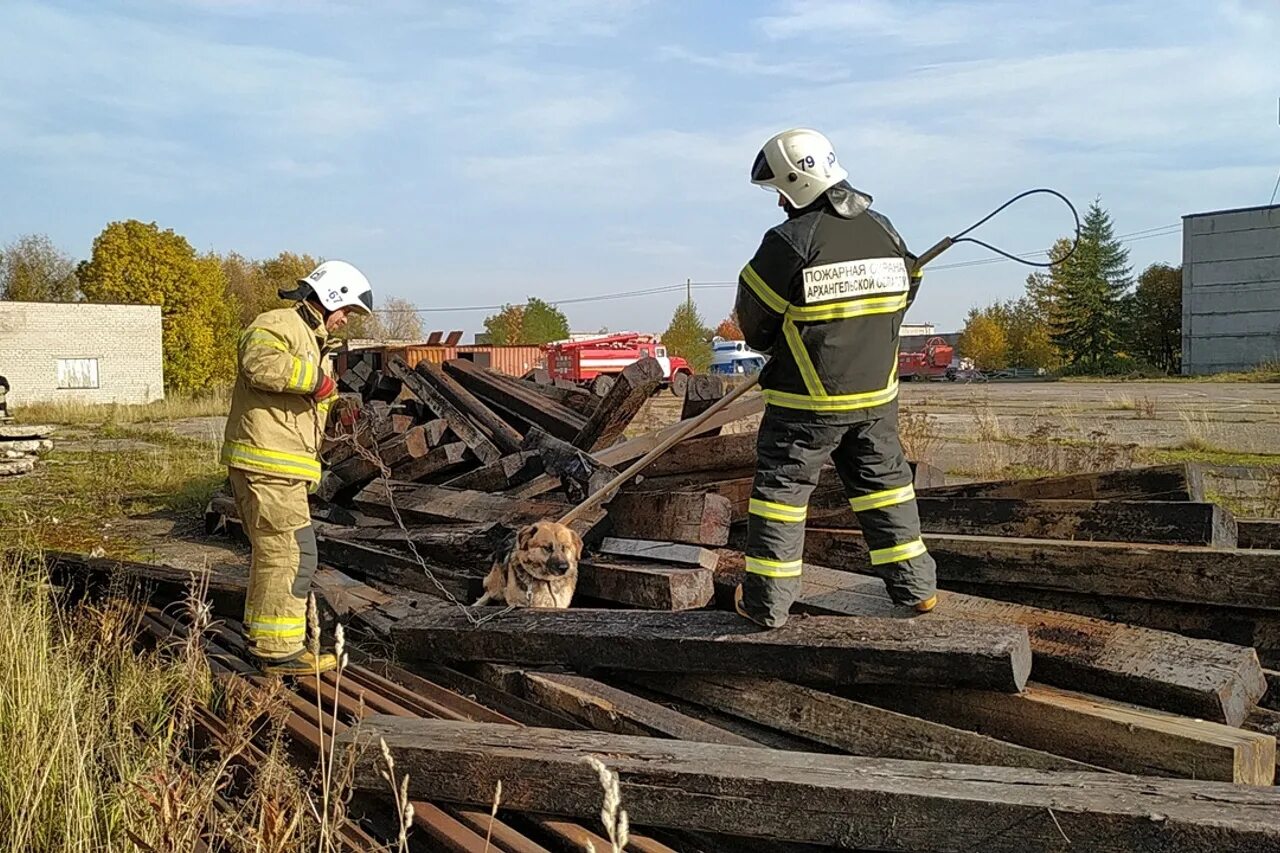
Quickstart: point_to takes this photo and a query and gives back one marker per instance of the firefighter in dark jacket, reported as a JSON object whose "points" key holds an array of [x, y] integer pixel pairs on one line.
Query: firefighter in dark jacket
{"points": [[825, 295]]}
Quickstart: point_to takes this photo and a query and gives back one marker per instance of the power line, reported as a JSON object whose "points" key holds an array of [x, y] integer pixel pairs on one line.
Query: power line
{"points": [[1131, 237]]}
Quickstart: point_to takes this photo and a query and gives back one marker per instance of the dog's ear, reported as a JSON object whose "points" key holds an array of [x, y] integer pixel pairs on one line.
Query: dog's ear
{"points": [[525, 534], [577, 544]]}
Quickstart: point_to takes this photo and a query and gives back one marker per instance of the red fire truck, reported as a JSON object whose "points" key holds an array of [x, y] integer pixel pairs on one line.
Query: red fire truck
{"points": [[933, 362], [595, 361]]}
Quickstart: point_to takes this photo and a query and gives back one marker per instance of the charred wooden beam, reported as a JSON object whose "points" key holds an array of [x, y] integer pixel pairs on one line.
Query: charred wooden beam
{"points": [[1183, 482], [693, 517], [1159, 522], [1231, 577], [466, 431], [508, 472], [495, 428], [646, 585], [631, 388], [529, 405], [837, 650], [664, 552], [846, 801], [1259, 533]]}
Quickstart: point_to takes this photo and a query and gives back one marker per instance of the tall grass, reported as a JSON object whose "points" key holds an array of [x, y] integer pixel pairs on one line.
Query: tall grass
{"points": [[175, 406], [84, 721]]}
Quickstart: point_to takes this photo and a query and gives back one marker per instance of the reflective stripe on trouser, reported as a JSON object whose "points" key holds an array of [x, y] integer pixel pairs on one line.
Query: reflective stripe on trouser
{"points": [[277, 520], [790, 453]]}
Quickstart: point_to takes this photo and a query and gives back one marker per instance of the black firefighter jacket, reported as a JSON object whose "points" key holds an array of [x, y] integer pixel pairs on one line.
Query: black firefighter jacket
{"points": [[825, 295]]}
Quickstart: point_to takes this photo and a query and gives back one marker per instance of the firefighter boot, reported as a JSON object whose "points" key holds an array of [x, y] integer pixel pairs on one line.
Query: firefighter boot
{"points": [[300, 665]]}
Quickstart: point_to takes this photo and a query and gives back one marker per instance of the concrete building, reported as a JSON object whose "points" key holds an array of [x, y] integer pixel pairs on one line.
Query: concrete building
{"points": [[1230, 289], [82, 352]]}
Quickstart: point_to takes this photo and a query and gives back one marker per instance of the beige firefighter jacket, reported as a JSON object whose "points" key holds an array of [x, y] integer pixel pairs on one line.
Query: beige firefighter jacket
{"points": [[275, 426]]}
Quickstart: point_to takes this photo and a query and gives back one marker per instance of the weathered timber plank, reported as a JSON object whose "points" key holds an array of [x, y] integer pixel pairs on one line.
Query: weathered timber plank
{"points": [[850, 726], [1159, 522], [645, 585], [666, 552], [374, 424], [25, 432], [1259, 629], [716, 453], [838, 650], [495, 428], [602, 706], [556, 419], [435, 431], [398, 569], [632, 449], [693, 517], [635, 384], [1181, 482], [462, 426], [1103, 732], [460, 547], [359, 469], [1200, 678], [848, 801], [435, 504], [570, 396], [438, 461], [1259, 533], [1197, 575], [507, 472]]}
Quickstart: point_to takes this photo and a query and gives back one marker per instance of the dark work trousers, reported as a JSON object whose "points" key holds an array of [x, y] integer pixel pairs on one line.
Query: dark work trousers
{"points": [[791, 449]]}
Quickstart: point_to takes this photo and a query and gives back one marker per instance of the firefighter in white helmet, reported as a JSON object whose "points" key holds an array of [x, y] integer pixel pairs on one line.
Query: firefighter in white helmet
{"points": [[825, 295], [279, 406]]}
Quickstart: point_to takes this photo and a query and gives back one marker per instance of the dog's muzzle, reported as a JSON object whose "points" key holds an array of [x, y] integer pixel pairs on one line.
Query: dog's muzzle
{"points": [[558, 566]]}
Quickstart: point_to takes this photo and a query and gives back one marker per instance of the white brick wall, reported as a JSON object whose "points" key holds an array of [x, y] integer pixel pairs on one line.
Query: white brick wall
{"points": [[125, 340]]}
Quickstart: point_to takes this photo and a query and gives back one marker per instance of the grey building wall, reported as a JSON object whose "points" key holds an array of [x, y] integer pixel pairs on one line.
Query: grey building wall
{"points": [[45, 345], [1230, 289]]}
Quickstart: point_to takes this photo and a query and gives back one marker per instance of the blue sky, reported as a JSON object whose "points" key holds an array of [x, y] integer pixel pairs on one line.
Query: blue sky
{"points": [[469, 153]]}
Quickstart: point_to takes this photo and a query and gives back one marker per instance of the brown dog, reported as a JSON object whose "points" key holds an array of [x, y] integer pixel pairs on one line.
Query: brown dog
{"points": [[538, 569]]}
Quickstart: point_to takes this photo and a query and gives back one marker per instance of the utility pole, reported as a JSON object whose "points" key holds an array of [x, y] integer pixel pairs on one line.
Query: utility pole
{"points": [[688, 290]]}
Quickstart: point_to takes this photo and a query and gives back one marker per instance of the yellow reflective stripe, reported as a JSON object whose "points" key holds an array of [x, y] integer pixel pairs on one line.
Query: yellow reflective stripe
{"points": [[808, 372], [774, 568], [267, 339], [777, 511], [760, 288], [897, 553], [303, 377], [840, 403], [296, 375], [849, 308], [236, 454], [256, 633], [311, 380], [880, 500]]}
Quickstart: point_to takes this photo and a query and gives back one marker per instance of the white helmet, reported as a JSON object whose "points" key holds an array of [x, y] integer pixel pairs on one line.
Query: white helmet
{"points": [[800, 164], [338, 284]]}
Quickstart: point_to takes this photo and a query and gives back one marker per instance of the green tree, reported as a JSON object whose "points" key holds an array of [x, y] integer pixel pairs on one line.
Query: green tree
{"points": [[688, 337], [137, 263], [504, 328], [535, 322], [542, 323], [1090, 288], [984, 340], [1156, 325], [32, 269]]}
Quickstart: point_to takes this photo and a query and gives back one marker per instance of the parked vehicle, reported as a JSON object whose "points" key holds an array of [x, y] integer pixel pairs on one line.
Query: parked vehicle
{"points": [[595, 361], [732, 358]]}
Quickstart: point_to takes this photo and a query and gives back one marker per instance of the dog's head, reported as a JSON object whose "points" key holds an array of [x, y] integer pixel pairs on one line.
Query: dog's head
{"points": [[547, 550]]}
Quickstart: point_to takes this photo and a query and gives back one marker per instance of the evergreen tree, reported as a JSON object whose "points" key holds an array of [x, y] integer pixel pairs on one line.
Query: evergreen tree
{"points": [[1090, 288], [688, 337]]}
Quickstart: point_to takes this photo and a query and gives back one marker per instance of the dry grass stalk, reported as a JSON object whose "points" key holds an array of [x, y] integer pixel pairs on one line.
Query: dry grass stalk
{"points": [[612, 815]]}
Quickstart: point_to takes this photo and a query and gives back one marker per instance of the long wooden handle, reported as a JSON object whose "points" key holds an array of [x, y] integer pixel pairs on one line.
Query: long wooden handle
{"points": [[690, 426]]}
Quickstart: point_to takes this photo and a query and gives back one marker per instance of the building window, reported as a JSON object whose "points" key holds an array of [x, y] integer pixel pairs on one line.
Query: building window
{"points": [[77, 373]]}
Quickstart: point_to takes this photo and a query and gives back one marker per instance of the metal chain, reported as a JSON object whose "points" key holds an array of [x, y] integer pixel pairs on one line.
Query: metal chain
{"points": [[372, 455]]}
